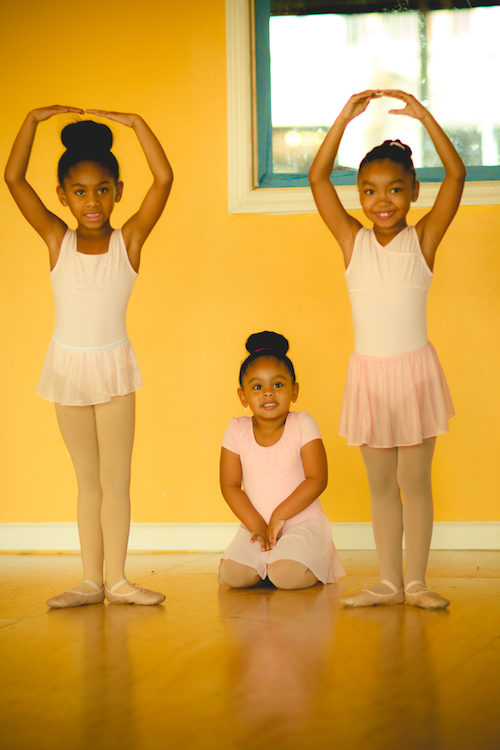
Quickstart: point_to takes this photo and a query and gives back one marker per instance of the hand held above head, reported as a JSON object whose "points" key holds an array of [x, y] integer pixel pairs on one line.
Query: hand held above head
{"points": [[358, 103], [44, 113], [137, 228], [413, 107], [123, 118], [343, 226], [48, 226]]}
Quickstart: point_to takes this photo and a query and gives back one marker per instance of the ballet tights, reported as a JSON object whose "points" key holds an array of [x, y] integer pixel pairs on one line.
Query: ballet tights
{"points": [[238, 576], [290, 574], [284, 574], [99, 440], [392, 473]]}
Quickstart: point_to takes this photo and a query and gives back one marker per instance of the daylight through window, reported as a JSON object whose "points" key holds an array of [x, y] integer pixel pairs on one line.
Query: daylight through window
{"points": [[448, 58]]}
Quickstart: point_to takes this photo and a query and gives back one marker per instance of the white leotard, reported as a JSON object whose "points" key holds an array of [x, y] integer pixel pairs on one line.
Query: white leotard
{"points": [[388, 287]]}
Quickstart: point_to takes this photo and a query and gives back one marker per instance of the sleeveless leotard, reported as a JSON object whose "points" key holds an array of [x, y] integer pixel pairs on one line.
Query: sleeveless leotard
{"points": [[388, 287], [396, 392], [90, 358]]}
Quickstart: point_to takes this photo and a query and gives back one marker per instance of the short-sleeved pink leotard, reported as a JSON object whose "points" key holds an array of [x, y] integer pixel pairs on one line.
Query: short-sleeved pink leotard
{"points": [[90, 358], [271, 473]]}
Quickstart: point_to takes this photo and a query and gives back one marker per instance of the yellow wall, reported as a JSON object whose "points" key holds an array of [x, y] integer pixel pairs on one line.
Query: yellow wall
{"points": [[208, 280]]}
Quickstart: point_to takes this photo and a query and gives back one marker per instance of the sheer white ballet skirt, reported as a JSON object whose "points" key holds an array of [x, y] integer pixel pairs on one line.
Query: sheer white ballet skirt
{"points": [[309, 543], [80, 377], [90, 358]]}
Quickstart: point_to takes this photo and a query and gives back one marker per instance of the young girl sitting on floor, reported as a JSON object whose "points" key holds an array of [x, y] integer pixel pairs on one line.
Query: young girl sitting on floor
{"points": [[279, 458]]}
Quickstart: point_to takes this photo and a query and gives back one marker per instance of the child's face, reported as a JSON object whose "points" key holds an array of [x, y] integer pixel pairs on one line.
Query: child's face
{"points": [[90, 191], [268, 389], [386, 191]]}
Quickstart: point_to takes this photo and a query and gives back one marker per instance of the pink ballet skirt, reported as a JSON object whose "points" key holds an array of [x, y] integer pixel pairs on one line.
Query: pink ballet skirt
{"points": [[309, 543], [81, 377], [395, 401]]}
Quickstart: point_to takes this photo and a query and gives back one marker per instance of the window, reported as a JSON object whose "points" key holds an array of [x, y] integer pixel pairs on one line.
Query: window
{"points": [[356, 48], [289, 135]]}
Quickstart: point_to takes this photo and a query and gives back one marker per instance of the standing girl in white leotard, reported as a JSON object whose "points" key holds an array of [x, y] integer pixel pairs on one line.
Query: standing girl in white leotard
{"points": [[396, 399], [90, 371]]}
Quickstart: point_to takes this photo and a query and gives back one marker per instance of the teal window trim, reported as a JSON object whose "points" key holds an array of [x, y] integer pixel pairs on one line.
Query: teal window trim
{"points": [[262, 11], [266, 177]]}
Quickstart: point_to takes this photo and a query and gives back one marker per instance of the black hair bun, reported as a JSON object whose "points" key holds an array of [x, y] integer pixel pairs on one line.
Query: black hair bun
{"points": [[87, 135], [267, 341], [397, 144]]}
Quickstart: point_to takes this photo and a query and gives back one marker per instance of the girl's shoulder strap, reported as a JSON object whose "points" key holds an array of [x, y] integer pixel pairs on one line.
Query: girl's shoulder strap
{"points": [[409, 236], [116, 238], [68, 246], [117, 246], [116, 241], [416, 247], [413, 234], [362, 234], [69, 241]]}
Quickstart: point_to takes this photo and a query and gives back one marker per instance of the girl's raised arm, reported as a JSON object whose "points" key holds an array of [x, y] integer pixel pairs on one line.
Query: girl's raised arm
{"points": [[432, 226], [343, 226], [138, 227], [49, 226], [230, 484]]}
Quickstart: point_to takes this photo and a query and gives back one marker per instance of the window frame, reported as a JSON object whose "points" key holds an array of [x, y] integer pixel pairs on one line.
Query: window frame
{"points": [[243, 197]]}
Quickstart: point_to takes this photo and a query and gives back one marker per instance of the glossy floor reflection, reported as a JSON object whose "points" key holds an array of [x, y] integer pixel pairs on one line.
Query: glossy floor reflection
{"points": [[222, 669]]}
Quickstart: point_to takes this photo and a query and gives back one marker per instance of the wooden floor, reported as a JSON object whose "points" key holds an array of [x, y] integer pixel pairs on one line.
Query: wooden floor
{"points": [[218, 669]]}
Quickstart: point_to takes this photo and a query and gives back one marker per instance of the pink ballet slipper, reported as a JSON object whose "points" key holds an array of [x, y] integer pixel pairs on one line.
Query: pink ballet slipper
{"points": [[76, 598], [369, 598], [424, 597], [139, 596]]}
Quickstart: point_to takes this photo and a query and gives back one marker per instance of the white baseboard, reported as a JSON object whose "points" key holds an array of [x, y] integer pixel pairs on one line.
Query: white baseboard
{"points": [[215, 537]]}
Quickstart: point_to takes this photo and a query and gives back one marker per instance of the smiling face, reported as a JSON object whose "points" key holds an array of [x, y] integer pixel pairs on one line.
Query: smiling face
{"points": [[268, 389], [386, 191], [90, 191]]}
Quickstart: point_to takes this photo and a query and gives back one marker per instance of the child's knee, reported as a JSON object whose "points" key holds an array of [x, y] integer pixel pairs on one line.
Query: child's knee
{"points": [[238, 576], [384, 485], [290, 574], [415, 483]]}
